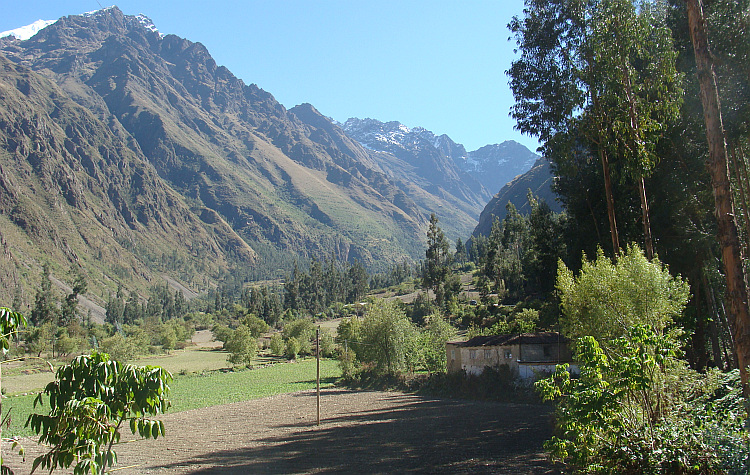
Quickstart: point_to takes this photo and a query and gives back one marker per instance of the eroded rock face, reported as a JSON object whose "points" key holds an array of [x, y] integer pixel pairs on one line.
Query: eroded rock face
{"points": [[115, 140]]}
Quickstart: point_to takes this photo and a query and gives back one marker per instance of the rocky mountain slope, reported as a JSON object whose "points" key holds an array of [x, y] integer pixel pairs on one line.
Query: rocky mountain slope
{"points": [[538, 180], [135, 156], [473, 175]]}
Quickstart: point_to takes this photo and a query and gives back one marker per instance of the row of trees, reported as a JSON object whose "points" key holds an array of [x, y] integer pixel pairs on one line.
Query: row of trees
{"points": [[621, 95], [324, 284], [387, 342], [624, 97]]}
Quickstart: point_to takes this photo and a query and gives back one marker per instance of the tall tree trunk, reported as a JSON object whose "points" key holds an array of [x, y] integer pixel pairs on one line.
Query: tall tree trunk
{"points": [[610, 201], [743, 198], [700, 351], [717, 168], [649, 242], [722, 363]]}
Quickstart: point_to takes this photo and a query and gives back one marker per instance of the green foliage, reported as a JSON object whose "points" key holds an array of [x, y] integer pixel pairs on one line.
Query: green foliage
{"points": [[437, 332], [607, 299], [389, 340], [303, 330], [633, 409], [324, 284], [398, 274], [68, 310], [168, 337], [10, 322], [292, 348], [327, 344], [277, 345], [66, 344], [521, 253], [242, 345], [39, 339], [348, 335], [45, 309], [90, 400], [256, 326], [437, 260], [524, 321], [120, 347], [221, 332]]}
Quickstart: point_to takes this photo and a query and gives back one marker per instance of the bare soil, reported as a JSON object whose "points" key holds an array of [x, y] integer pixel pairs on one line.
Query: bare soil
{"points": [[360, 432]]}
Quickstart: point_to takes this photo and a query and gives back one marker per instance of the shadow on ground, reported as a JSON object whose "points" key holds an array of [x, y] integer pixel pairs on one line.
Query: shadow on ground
{"points": [[413, 434]]}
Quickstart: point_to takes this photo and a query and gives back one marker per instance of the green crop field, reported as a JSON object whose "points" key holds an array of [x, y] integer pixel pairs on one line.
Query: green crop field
{"points": [[192, 391]]}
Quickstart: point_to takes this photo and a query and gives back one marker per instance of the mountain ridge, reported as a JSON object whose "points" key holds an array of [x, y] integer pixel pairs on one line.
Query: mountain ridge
{"points": [[161, 162], [492, 166]]}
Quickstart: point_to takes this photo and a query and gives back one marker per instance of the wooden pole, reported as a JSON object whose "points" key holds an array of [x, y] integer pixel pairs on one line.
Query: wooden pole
{"points": [[317, 357]]}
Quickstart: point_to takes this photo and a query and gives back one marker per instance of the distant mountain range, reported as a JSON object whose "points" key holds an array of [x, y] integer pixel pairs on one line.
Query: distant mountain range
{"points": [[135, 156], [441, 160]]}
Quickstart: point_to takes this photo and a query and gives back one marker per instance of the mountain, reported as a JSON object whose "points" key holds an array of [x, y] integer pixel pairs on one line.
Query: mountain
{"points": [[135, 156], [538, 179], [498, 164], [471, 175]]}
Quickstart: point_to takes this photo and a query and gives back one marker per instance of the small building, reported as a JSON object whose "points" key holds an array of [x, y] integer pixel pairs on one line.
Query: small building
{"points": [[526, 354]]}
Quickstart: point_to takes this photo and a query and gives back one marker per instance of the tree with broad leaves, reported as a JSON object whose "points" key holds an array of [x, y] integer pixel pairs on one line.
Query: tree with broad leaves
{"points": [[90, 401]]}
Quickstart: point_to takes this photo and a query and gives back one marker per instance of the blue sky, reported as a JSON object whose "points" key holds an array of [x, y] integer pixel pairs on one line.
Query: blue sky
{"points": [[436, 64]]}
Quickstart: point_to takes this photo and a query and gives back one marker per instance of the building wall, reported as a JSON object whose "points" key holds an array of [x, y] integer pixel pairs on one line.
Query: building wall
{"points": [[473, 360], [527, 361]]}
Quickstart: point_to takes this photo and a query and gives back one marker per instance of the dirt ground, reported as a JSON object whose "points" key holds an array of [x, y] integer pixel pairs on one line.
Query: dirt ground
{"points": [[360, 432]]}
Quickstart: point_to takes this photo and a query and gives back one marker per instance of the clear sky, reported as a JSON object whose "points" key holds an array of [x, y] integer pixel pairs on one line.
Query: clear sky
{"points": [[437, 64]]}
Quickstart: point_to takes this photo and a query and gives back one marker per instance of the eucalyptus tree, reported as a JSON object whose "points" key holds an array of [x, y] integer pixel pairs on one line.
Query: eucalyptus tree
{"points": [[737, 293], [603, 71], [639, 91]]}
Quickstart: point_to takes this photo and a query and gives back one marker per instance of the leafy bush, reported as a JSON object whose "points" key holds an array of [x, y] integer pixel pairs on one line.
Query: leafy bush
{"points": [[303, 330], [277, 345], [292, 348], [242, 345], [89, 402], [119, 347], [256, 326], [327, 344], [221, 332], [639, 409], [389, 340], [607, 299], [433, 338]]}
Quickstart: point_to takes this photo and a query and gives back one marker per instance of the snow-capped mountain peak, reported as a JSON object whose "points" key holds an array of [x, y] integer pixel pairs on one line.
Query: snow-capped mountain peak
{"points": [[147, 23], [492, 165], [25, 32]]}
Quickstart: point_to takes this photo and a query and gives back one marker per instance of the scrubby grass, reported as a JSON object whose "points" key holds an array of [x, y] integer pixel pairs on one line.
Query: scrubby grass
{"points": [[193, 391]]}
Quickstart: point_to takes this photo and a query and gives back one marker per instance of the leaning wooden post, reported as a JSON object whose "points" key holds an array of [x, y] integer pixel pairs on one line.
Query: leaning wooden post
{"points": [[317, 357]]}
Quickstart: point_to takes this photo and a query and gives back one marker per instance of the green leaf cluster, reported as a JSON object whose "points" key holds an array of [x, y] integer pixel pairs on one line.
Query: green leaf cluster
{"points": [[633, 409], [90, 400]]}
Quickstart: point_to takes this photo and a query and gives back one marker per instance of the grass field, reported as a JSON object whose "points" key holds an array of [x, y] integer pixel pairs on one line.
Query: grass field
{"points": [[197, 390]]}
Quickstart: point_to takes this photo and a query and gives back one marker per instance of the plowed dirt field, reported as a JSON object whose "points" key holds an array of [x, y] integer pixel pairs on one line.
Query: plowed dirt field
{"points": [[360, 432]]}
